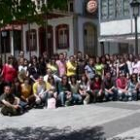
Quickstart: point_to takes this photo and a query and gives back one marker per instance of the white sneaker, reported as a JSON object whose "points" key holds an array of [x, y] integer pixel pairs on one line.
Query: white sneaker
{"points": [[85, 102]]}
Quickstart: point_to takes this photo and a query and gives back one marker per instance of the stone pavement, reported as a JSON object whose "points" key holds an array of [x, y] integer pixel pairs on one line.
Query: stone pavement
{"points": [[101, 121]]}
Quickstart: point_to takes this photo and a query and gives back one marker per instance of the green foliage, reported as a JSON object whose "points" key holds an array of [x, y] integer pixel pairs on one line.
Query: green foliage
{"points": [[26, 10], [16, 10], [54, 4], [57, 4], [5, 12]]}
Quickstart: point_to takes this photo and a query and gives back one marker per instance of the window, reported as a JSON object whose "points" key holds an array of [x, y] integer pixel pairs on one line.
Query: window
{"points": [[71, 6], [111, 11], [31, 41], [114, 9], [90, 39], [104, 9], [5, 41], [119, 8], [123, 48], [62, 36], [126, 7], [17, 40]]}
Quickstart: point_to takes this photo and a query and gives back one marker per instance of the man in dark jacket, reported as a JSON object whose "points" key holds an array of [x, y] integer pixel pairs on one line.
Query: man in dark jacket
{"points": [[10, 103]]}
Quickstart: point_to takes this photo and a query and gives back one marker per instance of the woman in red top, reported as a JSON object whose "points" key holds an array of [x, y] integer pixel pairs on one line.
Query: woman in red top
{"points": [[97, 89], [121, 84], [0, 65], [9, 72]]}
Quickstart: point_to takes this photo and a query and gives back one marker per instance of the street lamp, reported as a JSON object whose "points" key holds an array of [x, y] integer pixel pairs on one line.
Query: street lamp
{"points": [[135, 5]]}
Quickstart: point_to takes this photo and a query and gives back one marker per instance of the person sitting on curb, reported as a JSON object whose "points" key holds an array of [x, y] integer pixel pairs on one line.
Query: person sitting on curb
{"points": [[10, 104]]}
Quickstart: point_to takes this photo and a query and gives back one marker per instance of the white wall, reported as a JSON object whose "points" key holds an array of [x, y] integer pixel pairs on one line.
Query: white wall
{"points": [[118, 27], [78, 6]]}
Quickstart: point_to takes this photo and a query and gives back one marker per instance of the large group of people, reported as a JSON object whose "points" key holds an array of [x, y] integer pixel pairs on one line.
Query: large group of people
{"points": [[67, 80]]}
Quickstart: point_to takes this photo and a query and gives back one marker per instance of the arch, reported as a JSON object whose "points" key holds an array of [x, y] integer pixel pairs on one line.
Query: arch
{"points": [[90, 38]]}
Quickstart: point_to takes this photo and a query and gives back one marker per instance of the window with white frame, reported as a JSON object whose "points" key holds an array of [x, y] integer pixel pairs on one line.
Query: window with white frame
{"points": [[31, 40], [89, 39], [62, 36], [70, 6], [114, 9]]}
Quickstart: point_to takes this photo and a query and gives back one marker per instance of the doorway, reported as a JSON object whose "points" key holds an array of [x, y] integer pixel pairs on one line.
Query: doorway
{"points": [[46, 45]]}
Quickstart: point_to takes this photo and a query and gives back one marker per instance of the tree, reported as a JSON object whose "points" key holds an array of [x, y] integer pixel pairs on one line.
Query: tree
{"points": [[11, 10], [26, 10], [57, 4]]}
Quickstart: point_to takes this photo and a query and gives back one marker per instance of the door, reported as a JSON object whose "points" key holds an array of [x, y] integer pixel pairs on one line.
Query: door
{"points": [[46, 44], [90, 39]]}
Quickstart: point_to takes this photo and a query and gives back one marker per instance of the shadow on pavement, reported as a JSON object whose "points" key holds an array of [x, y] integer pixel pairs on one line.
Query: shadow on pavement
{"points": [[125, 138], [42, 133]]}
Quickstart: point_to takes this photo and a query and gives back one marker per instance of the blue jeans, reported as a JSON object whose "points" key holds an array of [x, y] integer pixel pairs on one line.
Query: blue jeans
{"points": [[23, 105], [132, 95], [77, 98], [121, 95], [112, 96], [65, 98], [62, 98]]}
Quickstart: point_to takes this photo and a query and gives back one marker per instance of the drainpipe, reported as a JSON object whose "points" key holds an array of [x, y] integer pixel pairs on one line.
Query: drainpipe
{"points": [[75, 33], [29, 44]]}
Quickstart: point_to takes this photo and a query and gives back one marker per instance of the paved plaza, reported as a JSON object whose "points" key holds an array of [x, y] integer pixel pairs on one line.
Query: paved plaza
{"points": [[101, 121]]}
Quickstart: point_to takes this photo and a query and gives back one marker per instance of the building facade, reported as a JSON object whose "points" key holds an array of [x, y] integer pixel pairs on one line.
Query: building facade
{"points": [[10, 39], [72, 31], [117, 26]]}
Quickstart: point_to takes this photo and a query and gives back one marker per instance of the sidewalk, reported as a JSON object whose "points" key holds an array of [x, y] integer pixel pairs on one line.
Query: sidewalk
{"points": [[83, 122]]}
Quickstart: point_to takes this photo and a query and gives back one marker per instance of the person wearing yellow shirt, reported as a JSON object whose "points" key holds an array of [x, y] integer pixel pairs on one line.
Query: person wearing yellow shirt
{"points": [[71, 66], [53, 66], [99, 67], [39, 91]]}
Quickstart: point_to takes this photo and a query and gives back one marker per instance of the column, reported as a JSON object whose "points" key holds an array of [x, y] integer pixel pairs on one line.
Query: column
{"points": [[12, 42]]}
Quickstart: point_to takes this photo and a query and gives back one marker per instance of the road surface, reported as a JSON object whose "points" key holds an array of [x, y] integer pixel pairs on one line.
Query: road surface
{"points": [[100, 121]]}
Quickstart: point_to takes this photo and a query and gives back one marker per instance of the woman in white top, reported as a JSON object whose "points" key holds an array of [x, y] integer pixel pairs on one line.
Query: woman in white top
{"points": [[135, 66], [22, 69]]}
